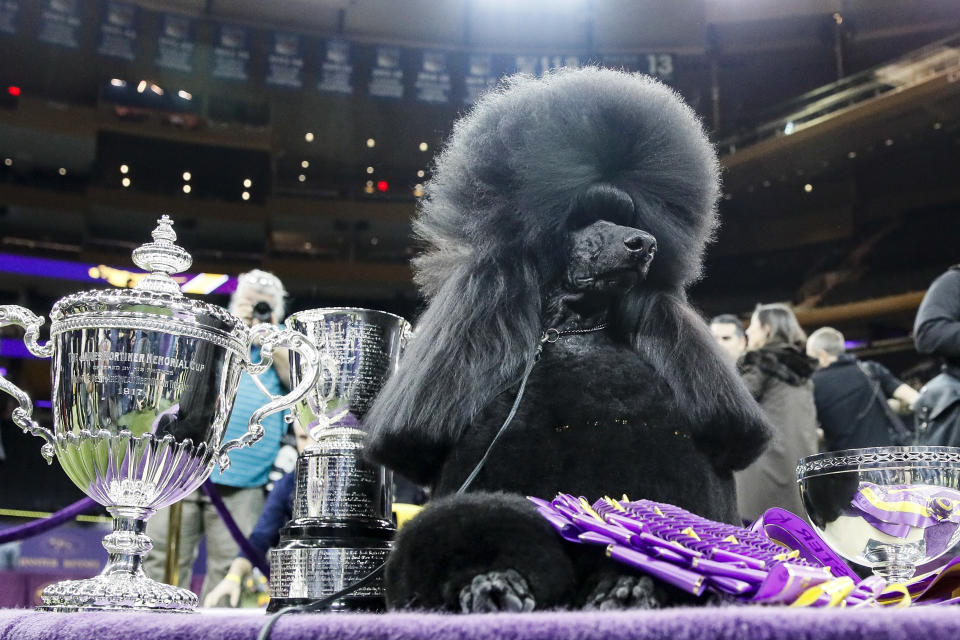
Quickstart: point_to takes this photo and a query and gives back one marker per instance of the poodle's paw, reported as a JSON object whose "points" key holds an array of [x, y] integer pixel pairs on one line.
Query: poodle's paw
{"points": [[496, 591], [623, 592]]}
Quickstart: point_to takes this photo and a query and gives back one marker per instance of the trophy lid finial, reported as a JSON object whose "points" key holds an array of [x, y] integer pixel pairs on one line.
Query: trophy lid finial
{"points": [[161, 258]]}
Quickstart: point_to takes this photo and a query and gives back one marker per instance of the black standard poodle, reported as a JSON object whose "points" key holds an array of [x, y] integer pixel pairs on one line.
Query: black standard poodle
{"points": [[575, 208]]}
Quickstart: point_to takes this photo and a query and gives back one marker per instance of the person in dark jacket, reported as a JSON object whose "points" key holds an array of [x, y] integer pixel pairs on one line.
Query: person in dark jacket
{"points": [[853, 397], [936, 331], [778, 374]]}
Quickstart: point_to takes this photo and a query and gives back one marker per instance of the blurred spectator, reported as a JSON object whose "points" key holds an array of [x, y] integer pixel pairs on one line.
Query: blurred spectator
{"points": [[777, 372], [259, 298], [936, 331], [728, 331], [851, 396]]}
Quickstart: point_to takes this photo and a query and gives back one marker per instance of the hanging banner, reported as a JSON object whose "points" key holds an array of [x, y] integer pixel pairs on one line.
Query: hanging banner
{"points": [[386, 77], [175, 43], [60, 23], [118, 31], [285, 63], [8, 15], [231, 53], [336, 71], [433, 79], [480, 76], [529, 65], [655, 64]]}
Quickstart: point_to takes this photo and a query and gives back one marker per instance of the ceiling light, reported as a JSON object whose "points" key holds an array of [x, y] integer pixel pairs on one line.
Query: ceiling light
{"points": [[142, 86], [186, 176], [369, 169], [117, 82], [371, 143], [156, 89], [186, 95], [309, 136], [788, 128], [245, 195], [305, 164], [8, 162], [421, 173], [124, 169], [302, 178], [424, 146], [186, 188], [62, 171], [247, 183], [125, 182], [808, 187]]}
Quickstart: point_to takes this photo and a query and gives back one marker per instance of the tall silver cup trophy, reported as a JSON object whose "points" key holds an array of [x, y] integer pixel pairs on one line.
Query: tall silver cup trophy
{"points": [[143, 384], [342, 526]]}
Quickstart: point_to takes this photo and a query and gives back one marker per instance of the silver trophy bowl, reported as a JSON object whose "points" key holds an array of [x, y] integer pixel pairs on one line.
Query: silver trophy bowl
{"points": [[143, 385], [342, 526], [888, 508]]}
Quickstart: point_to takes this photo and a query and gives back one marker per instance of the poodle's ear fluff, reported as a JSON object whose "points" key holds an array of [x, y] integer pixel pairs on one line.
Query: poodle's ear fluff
{"points": [[727, 422], [471, 344]]}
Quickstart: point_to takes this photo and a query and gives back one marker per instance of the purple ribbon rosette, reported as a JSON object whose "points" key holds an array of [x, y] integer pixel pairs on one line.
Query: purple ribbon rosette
{"points": [[899, 510], [699, 555]]}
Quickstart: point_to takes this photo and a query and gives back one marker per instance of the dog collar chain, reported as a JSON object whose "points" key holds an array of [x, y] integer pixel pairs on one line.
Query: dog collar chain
{"points": [[553, 335]]}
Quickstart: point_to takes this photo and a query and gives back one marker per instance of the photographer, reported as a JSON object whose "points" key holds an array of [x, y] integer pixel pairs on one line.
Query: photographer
{"points": [[259, 298]]}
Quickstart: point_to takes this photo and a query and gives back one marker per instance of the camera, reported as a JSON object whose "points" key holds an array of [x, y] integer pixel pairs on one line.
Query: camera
{"points": [[262, 311]]}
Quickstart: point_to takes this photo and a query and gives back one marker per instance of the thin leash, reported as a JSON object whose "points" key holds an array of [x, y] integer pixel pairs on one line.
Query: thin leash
{"points": [[550, 336]]}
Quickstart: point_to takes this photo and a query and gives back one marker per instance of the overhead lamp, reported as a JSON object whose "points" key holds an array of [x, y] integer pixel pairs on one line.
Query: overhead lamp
{"points": [[186, 95], [142, 86], [117, 82], [156, 89]]}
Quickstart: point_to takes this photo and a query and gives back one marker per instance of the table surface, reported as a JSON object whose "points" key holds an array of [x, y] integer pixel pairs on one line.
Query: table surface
{"points": [[741, 623]]}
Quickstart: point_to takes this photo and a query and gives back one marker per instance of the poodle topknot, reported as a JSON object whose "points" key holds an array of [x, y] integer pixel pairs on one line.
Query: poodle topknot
{"points": [[493, 225]]}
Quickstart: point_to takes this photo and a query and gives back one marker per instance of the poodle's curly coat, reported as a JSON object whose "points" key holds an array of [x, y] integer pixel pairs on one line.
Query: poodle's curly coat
{"points": [[648, 406]]}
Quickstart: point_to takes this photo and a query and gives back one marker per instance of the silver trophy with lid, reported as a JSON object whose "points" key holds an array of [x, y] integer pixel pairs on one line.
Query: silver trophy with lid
{"points": [[342, 526], [143, 384]]}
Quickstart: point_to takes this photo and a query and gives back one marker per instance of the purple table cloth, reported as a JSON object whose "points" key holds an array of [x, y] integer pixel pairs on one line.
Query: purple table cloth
{"points": [[740, 623]]}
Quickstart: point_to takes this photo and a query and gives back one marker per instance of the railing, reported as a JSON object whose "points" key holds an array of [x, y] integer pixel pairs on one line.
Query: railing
{"points": [[907, 71]]}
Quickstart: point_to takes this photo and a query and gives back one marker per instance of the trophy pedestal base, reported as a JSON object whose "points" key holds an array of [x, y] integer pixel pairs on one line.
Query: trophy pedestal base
{"points": [[117, 592], [368, 604]]}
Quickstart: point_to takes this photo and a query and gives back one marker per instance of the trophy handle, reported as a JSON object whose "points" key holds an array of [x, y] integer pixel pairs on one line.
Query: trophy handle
{"points": [[23, 414], [272, 338]]}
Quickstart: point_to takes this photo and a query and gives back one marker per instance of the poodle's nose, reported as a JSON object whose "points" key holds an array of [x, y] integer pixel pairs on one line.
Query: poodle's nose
{"points": [[641, 244]]}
